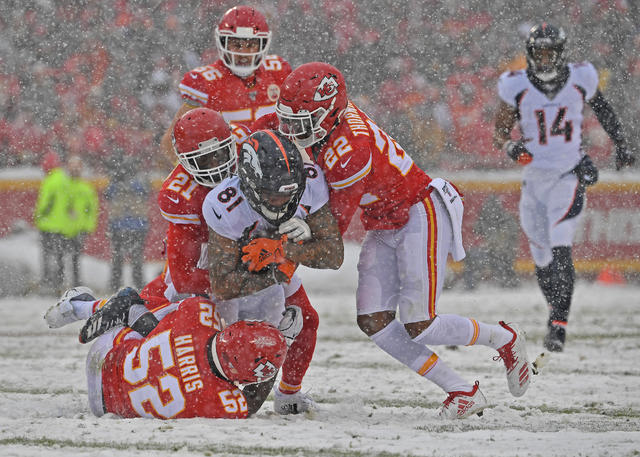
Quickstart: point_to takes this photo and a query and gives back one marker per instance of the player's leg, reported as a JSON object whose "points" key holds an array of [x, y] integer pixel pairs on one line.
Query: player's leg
{"points": [[93, 368], [534, 219], [77, 303], [380, 288], [117, 259], [565, 211], [422, 282], [289, 397], [155, 288]]}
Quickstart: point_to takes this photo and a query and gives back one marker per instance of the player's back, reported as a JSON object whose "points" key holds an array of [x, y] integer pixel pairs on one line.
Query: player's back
{"points": [[239, 100], [361, 157], [167, 374]]}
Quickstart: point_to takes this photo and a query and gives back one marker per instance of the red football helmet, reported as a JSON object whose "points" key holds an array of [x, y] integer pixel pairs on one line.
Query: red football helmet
{"points": [[248, 352], [204, 145], [312, 100], [242, 30]]}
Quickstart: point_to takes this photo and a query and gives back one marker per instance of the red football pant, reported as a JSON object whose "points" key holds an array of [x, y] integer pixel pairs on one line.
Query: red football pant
{"points": [[155, 288], [301, 351]]}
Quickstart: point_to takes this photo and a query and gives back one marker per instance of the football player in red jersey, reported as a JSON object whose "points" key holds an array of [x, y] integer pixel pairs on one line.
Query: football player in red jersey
{"points": [[174, 362], [413, 223], [206, 152], [243, 84]]}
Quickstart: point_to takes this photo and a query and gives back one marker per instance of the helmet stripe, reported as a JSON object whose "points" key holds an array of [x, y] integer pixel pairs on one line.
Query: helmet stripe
{"points": [[281, 146]]}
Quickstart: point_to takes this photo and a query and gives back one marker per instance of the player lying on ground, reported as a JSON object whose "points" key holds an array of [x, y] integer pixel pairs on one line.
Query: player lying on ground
{"points": [[175, 362]]}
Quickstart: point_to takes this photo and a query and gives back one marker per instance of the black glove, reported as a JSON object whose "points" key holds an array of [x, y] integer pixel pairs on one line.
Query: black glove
{"points": [[586, 171], [515, 149], [117, 312], [623, 157]]}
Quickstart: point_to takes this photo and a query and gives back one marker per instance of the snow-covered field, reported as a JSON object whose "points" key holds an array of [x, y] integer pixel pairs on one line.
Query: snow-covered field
{"points": [[585, 402]]}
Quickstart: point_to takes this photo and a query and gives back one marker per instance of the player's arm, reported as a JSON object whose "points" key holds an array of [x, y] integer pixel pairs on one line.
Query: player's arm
{"points": [[324, 248], [183, 252], [611, 124], [344, 204], [229, 277], [505, 120]]}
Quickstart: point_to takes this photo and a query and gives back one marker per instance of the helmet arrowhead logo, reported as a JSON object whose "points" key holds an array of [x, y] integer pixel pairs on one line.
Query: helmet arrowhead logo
{"points": [[328, 88], [265, 370]]}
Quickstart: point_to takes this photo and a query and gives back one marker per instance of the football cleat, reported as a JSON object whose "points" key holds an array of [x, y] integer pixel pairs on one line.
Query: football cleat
{"points": [[554, 339], [514, 356], [459, 405], [62, 313], [292, 403]]}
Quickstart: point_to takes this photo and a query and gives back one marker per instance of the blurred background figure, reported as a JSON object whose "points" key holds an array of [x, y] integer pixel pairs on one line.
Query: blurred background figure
{"points": [[492, 256], [83, 212], [127, 198], [51, 221]]}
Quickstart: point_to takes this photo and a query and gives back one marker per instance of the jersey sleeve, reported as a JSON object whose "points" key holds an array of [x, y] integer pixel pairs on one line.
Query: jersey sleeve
{"points": [[509, 85], [349, 168], [193, 89], [586, 76], [316, 193], [175, 209], [216, 214]]}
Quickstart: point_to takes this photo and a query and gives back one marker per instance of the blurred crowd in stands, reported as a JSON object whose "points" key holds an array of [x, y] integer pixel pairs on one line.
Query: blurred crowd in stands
{"points": [[99, 78]]}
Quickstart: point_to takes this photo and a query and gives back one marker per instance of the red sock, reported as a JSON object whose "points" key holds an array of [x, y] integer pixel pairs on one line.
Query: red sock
{"points": [[301, 351]]}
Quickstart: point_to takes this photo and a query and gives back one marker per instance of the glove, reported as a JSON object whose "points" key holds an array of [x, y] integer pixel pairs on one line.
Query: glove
{"points": [[296, 230], [287, 268], [586, 171], [517, 151], [291, 323], [261, 252], [124, 308], [623, 157]]}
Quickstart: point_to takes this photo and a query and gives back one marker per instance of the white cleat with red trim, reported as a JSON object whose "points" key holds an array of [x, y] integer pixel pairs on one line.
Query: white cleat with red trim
{"points": [[459, 405], [514, 356]]}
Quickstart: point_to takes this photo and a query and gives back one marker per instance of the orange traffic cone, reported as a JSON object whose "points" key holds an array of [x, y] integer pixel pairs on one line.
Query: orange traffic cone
{"points": [[610, 275]]}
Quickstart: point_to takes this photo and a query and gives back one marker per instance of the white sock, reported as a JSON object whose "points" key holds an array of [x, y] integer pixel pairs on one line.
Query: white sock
{"points": [[450, 381], [83, 309], [395, 341], [457, 330], [494, 336], [448, 329]]}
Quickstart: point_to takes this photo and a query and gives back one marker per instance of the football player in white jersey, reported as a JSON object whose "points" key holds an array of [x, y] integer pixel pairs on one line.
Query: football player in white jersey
{"points": [[268, 219], [547, 101]]}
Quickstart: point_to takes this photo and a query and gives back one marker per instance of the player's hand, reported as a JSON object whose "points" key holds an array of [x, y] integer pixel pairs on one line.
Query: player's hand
{"points": [[296, 230], [287, 268], [624, 158], [517, 151], [261, 252], [586, 171]]}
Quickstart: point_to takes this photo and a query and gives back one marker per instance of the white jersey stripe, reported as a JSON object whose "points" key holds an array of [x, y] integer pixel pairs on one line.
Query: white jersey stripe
{"points": [[181, 218], [353, 179]]}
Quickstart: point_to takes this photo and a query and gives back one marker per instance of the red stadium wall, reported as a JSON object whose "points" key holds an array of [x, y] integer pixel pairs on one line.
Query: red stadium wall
{"points": [[610, 233]]}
